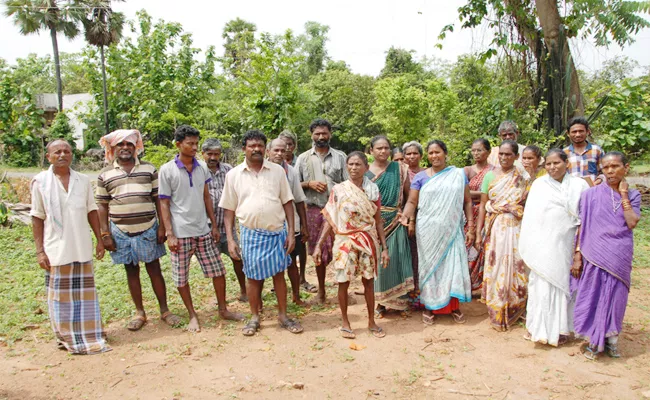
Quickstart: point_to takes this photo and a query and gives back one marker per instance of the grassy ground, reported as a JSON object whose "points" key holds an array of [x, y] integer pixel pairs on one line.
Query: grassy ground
{"points": [[641, 169]]}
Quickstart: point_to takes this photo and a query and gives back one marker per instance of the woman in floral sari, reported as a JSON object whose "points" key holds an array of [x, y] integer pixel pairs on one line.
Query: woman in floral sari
{"points": [[602, 265], [441, 195], [502, 206], [475, 173], [353, 214], [394, 282]]}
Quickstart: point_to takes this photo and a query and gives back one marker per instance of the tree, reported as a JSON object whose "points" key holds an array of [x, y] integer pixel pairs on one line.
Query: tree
{"points": [[103, 27], [239, 36], [400, 61], [313, 44], [32, 16], [536, 34]]}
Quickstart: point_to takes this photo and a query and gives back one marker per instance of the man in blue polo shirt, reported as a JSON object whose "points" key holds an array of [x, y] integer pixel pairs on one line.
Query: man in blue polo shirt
{"points": [[185, 202]]}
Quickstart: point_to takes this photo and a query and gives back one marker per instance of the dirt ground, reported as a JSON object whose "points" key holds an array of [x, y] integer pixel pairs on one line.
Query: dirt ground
{"points": [[443, 361]]}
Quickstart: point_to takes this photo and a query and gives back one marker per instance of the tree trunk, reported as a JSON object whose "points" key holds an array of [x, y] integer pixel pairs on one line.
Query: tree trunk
{"points": [[565, 84], [57, 67], [101, 51]]}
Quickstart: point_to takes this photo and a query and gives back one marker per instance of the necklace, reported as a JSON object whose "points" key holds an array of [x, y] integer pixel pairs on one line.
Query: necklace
{"points": [[615, 206]]}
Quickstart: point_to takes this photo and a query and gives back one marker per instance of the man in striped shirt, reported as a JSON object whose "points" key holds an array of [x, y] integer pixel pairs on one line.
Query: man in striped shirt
{"points": [[127, 197]]}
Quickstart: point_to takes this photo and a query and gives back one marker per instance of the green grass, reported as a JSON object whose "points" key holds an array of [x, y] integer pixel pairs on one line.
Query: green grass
{"points": [[641, 168]]}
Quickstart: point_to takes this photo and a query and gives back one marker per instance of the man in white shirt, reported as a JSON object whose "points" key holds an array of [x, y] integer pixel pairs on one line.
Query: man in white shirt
{"points": [[62, 207]]}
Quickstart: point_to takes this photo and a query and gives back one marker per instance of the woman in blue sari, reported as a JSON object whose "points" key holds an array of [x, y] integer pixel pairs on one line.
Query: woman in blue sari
{"points": [[441, 195]]}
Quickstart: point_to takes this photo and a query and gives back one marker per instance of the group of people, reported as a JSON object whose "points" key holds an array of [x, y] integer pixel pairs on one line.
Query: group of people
{"points": [[533, 236]]}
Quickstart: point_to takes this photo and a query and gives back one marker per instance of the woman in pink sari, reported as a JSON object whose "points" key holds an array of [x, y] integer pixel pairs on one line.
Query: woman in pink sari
{"points": [[502, 207], [475, 173]]}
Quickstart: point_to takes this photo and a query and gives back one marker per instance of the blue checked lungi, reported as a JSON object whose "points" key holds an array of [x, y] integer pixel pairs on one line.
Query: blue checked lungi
{"points": [[263, 252], [135, 249]]}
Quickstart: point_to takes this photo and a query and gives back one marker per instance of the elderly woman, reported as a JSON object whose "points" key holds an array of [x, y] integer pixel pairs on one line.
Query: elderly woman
{"points": [[548, 231], [502, 206], [396, 154], [475, 173], [604, 250], [441, 195], [353, 213]]}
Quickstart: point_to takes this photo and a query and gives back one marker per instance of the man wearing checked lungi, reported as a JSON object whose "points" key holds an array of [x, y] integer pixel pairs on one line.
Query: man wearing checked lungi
{"points": [[62, 207], [127, 194], [186, 207], [258, 194]]}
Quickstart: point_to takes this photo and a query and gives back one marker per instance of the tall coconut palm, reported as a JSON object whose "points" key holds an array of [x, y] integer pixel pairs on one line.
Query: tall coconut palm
{"points": [[32, 16], [103, 27]]}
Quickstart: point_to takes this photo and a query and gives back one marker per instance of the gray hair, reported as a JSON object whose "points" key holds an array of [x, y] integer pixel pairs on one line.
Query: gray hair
{"points": [[269, 145], [211, 144], [508, 125], [413, 144], [289, 135]]}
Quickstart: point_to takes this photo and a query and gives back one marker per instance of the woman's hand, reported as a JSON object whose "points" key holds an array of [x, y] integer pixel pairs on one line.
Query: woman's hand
{"points": [[470, 237], [385, 258], [623, 186], [411, 229], [477, 243], [576, 268]]}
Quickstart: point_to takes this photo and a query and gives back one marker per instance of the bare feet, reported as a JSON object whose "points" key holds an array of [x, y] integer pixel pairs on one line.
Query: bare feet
{"points": [[243, 298], [231, 316], [320, 298], [193, 326], [298, 301]]}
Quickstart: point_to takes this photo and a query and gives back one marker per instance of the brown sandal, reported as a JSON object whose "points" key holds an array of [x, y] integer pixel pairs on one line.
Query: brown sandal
{"points": [[136, 323]]}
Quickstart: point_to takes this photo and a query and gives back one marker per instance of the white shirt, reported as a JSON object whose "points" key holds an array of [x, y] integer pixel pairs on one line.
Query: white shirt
{"points": [[298, 195], [76, 243]]}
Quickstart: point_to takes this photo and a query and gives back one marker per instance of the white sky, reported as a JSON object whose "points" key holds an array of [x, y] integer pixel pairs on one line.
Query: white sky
{"points": [[361, 31]]}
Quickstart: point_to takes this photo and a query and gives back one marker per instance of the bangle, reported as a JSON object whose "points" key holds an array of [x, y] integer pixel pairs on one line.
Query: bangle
{"points": [[105, 234], [40, 252]]}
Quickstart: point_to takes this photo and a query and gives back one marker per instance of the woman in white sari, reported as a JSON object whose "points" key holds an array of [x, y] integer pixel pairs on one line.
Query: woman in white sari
{"points": [[546, 244]]}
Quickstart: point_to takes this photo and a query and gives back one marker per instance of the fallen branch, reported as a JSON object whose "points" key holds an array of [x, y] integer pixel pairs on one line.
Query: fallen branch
{"points": [[115, 384], [136, 365], [606, 374], [454, 391]]}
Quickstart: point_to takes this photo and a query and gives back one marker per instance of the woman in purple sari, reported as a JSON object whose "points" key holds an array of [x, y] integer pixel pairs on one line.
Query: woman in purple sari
{"points": [[602, 263]]}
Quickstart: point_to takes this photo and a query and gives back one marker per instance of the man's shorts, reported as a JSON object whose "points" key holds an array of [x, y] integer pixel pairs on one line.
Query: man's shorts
{"points": [[299, 247], [207, 253], [143, 247]]}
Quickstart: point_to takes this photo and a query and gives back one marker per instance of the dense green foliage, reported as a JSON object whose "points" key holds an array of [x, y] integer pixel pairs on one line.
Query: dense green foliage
{"points": [[157, 80]]}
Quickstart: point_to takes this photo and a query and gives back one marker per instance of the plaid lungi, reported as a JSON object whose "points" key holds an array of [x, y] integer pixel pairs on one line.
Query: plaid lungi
{"points": [[315, 221], [207, 253], [143, 247], [263, 252], [74, 308]]}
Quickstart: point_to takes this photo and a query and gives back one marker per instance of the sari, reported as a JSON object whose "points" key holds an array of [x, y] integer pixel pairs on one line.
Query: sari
{"points": [[350, 211], [413, 245], [444, 274], [394, 282], [475, 258], [546, 245], [504, 274], [607, 247]]}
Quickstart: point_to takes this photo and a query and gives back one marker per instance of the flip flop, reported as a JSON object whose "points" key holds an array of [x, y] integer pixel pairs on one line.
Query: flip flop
{"points": [[612, 351], [308, 287], [589, 353], [250, 328], [459, 317], [377, 332], [347, 333], [291, 325], [428, 319], [380, 312], [170, 319], [136, 323]]}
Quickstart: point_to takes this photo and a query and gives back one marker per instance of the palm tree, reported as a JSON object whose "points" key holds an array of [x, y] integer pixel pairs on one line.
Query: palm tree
{"points": [[103, 27], [32, 16]]}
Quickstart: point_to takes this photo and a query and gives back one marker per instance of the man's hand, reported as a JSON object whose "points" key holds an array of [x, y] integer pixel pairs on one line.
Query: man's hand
{"points": [[233, 249], [99, 250], [320, 187], [317, 255], [215, 234], [290, 243], [108, 243], [161, 234], [172, 243], [43, 260], [304, 233]]}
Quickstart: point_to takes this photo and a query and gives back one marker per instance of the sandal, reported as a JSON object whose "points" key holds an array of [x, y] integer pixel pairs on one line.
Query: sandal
{"points": [[459, 317], [170, 319], [564, 339], [380, 312], [377, 332], [428, 319], [136, 323], [250, 328], [308, 287], [528, 336], [291, 325], [589, 353], [347, 333], [612, 350]]}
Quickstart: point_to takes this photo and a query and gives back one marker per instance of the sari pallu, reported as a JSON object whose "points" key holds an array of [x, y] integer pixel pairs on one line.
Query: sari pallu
{"points": [[504, 274], [395, 281], [444, 273], [475, 258], [607, 247], [351, 213]]}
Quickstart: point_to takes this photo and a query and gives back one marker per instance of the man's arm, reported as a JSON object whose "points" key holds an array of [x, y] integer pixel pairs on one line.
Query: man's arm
{"points": [[302, 214], [37, 230], [207, 200], [105, 230], [172, 242], [229, 221], [290, 243], [93, 220]]}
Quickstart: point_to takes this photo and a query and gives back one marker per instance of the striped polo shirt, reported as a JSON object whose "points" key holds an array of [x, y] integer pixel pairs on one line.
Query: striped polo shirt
{"points": [[130, 197]]}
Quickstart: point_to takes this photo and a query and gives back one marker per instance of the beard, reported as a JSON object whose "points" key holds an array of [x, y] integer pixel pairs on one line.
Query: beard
{"points": [[321, 143]]}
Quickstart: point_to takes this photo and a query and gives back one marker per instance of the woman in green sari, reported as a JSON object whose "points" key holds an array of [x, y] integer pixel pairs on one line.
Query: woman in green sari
{"points": [[394, 282]]}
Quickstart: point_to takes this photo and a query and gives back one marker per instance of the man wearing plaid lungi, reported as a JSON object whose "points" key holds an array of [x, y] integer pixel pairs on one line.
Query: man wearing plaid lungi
{"points": [[258, 194], [127, 192], [185, 203], [62, 208]]}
